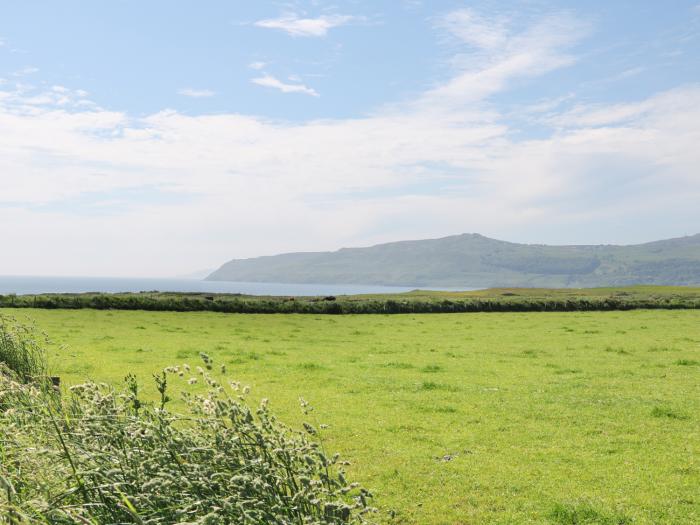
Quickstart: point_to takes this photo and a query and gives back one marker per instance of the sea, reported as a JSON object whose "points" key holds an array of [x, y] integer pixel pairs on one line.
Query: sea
{"points": [[38, 285]]}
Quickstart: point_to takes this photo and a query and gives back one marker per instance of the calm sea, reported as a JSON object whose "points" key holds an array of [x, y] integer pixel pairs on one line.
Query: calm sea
{"points": [[36, 285]]}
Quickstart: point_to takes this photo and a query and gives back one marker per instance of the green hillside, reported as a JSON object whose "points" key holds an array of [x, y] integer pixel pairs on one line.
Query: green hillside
{"points": [[475, 261]]}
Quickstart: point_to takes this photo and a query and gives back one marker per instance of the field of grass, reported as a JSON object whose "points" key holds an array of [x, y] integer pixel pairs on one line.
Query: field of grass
{"points": [[562, 418]]}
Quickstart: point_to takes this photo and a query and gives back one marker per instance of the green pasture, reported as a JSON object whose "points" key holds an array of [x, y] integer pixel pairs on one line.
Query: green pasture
{"points": [[560, 418]]}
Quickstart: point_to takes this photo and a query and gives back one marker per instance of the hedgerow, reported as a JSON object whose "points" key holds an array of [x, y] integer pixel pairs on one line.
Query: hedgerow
{"points": [[264, 305]]}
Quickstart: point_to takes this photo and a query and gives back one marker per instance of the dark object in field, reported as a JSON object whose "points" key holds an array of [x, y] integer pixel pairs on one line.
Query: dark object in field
{"points": [[47, 381], [209, 297], [329, 298]]}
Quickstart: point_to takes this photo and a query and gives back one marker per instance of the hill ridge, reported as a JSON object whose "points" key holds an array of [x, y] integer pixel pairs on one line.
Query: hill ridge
{"points": [[474, 261]]}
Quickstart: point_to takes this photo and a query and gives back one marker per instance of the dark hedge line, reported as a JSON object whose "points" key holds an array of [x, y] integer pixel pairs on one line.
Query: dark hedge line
{"points": [[340, 306]]}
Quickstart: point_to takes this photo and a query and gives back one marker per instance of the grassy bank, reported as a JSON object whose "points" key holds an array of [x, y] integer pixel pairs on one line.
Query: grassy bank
{"points": [[492, 300], [560, 418]]}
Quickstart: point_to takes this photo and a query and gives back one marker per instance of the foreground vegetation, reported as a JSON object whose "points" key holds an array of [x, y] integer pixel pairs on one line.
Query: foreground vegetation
{"points": [[419, 301], [102, 455], [560, 418]]}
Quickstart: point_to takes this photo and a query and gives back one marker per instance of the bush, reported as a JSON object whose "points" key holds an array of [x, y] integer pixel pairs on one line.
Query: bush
{"points": [[102, 455]]}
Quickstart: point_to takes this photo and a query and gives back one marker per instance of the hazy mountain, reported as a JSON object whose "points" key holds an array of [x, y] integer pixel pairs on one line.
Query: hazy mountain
{"points": [[475, 261]]}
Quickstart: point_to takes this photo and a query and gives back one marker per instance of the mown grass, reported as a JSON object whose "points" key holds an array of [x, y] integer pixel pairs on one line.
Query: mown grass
{"points": [[562, 418]]}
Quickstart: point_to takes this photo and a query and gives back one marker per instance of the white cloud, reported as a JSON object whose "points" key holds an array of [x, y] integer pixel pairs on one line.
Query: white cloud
{"points": [[631, 72], [272, 82], [232, 185], [196, 93], [545, 106], [257, 65], [26, 99], [479, 31], [306, 27], [412, 4], [498, 55], [29, 70]]}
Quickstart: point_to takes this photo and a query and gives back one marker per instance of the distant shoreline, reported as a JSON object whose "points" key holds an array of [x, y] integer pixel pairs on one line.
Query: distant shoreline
{"points": [[30, 285]]}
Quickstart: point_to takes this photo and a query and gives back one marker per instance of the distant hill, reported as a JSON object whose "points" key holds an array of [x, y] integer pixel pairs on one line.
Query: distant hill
{"points": [[475, 261]]}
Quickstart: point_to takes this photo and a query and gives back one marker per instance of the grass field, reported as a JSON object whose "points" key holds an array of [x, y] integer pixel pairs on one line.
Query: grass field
{"points": [[563, 418]]}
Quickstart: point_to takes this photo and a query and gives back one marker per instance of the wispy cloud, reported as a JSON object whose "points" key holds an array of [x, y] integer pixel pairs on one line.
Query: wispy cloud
{"points": [[631, 72], [272, 82], [196, 93], [497, 54], [257, 65], [29, 70], [547, 105], [472, 28], [412, 4], [306, 27], [27, 100]]}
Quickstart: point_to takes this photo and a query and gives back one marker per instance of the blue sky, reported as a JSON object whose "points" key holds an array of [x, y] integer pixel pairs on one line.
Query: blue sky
{"points": [[138, 56], [160, 137]]}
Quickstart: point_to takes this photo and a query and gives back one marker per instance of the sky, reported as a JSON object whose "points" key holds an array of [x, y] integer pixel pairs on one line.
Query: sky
{"points": [[160, 138]]}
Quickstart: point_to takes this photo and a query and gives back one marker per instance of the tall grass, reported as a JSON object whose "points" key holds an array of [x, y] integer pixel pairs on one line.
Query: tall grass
{"points": [[21, 348], [102, 455]]}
